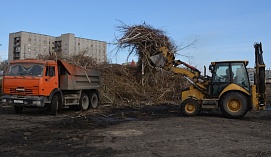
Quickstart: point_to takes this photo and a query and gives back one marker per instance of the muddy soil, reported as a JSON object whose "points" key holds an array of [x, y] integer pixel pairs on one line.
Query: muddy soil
{"points": [[145, 131]]}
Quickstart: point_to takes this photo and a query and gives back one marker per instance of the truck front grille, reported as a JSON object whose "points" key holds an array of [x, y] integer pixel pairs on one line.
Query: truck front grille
{"points": [[24, 91]]}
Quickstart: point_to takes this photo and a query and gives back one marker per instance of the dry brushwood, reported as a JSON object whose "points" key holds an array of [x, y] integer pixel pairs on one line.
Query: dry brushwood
{"points": [[79, 59], [144, 41], [122, 87]]}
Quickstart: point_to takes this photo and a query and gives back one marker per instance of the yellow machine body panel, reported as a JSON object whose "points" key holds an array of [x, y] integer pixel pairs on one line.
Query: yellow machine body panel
{"points": [[192, 92], [233, 87]]}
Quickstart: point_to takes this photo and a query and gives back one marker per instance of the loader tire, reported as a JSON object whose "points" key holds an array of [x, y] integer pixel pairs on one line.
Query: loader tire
{"points": [[18, 109], [94, 100], [233, 105], [84, 102], [190, 107]]}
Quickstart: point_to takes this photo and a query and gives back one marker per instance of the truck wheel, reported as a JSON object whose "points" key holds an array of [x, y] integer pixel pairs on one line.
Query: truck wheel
{"points": [[190, 107], [84, 102], [234, 105], [94, 100], [18, 109], [54, 104]]}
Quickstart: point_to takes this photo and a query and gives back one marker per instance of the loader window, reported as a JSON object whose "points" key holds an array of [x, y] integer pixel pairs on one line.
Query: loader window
{"points": [[241, 76], [221, 73], [221, 78]]}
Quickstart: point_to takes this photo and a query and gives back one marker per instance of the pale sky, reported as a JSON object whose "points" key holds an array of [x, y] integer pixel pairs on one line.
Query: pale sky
{"points": [[225, 29]]}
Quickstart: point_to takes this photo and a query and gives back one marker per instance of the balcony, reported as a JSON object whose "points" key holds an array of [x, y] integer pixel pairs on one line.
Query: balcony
{"points": [[16, 58], [16, 55]]}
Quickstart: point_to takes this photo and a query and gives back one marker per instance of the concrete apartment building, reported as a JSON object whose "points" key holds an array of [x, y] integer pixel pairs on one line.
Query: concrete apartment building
{"points": [[251, 72], [29, 45]]}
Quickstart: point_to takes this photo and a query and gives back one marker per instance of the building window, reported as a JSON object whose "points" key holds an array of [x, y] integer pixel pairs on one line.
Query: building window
{"points": [[29, 44], [45, 46], [29, 39], [29, 49]]}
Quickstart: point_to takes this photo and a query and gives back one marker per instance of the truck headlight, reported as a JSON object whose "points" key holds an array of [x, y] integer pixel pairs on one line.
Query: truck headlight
{"points": [[38, 103]]}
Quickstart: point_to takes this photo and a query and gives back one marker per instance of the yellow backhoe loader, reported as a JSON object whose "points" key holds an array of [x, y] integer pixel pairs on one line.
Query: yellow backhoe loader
{"points": [[228, 89]]}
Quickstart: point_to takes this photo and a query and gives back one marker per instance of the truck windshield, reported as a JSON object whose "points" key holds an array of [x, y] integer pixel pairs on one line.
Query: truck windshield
{"points": [[25, 69]]}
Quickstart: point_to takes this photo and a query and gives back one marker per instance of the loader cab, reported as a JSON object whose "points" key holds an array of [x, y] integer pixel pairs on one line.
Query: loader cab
{"points": [[225, 73]]}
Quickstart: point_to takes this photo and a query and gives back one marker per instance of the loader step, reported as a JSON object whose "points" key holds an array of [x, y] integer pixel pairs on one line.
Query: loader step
{"points": [[209, 103]]}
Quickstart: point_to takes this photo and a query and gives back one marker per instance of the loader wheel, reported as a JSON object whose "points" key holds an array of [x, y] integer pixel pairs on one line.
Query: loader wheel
{"points": [[18, 109], [190, 107], [94, 100], [84, 102], [55, 104], [234, 105]]}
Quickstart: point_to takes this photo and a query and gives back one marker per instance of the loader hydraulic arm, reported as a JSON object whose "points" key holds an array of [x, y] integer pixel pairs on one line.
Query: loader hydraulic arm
{"points": [[166, 60], [259, 75]]}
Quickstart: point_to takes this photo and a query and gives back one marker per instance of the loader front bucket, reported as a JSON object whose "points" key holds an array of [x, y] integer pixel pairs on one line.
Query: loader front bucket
{"points": [[158, 60]]}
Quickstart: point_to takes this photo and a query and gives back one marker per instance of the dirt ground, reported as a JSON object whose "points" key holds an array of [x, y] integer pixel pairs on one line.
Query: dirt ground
{"points": [[145, 131]]}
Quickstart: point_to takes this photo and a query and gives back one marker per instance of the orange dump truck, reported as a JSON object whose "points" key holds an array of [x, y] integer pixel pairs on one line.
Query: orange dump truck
{"points": [[50, 83]]}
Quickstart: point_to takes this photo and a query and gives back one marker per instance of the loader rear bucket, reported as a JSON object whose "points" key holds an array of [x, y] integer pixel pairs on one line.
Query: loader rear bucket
{"points": [[158, 60]]}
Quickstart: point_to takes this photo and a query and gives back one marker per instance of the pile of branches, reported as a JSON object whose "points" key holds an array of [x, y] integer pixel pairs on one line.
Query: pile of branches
{"points": [[122, 88], [144, 41]]}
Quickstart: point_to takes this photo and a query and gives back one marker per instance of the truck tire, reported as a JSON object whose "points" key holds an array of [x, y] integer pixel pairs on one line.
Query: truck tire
{"points": [[84, 102], [233, 105], [94, 100], [54, 104], [18, 109], [190, 107]]}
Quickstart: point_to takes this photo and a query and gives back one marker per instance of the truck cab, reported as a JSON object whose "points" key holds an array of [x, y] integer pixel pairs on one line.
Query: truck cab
{"points": [[29, 82]]}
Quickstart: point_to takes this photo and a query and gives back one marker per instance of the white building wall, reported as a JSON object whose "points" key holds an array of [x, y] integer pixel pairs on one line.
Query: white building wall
{"points": [[33, 44]]}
